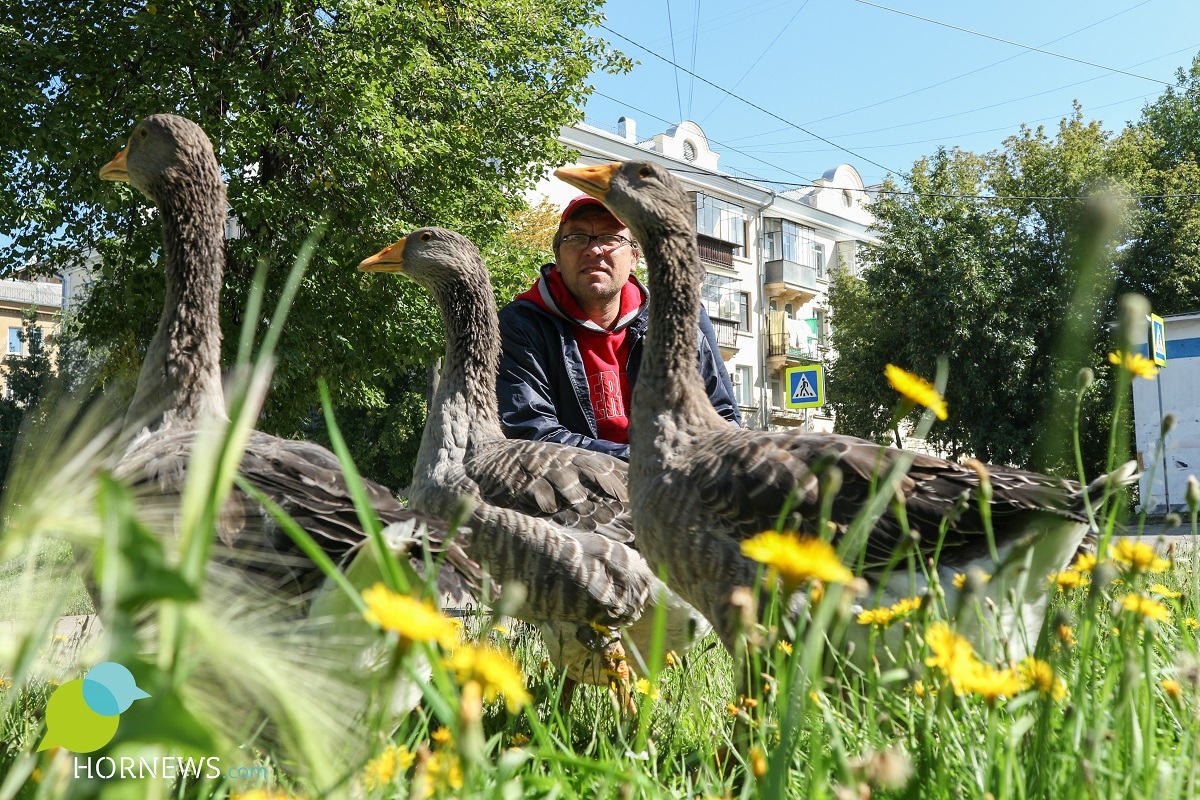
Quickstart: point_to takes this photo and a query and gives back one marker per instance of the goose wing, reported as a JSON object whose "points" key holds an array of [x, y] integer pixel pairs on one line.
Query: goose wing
{"points": [[575, 488], [306, 481], [746, 479]]}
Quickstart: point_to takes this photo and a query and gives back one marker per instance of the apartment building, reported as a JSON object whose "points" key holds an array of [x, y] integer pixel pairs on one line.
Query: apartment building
{"points": [[767, 256]]}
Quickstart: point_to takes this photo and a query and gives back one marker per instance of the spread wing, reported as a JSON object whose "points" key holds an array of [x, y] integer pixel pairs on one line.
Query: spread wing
{"points": [[575, 488]]}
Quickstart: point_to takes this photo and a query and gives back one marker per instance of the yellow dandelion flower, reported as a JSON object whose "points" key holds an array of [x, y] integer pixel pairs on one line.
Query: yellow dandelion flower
{"points": [[518, 740], [496, 673], [991, 683], [1145, 606], [672, 659], [815, 697], [445, 770], [413, 620], [1066, 635], [758, 763], [949, 649], [1039, 675], [1084, 562], [383, 769], [1139, 556], [879, 617], [959, 580], [1163, 591], [442, 736], [1135, 363], [916, 389], [1172, 688], [644, 686], [501, 629], [1191, 622], [817, 593], [749, 702], [784, 646], [796, 559], [1069, 579], [918, 688]]}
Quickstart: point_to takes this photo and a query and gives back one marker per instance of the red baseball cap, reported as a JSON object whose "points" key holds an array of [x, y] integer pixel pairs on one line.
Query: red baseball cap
{"points": [[582, 201]]}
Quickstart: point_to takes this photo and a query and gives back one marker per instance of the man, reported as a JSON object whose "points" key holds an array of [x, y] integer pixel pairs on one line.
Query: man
{"points": [[572, 343]]}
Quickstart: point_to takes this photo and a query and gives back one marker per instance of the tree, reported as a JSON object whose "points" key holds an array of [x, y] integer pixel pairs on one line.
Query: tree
{"points": [[1163, 258], [995, 285], [376, 116]]}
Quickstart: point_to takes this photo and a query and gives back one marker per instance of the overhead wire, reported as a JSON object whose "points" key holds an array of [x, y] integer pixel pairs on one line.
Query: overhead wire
{"points": [[750, 103], [1014, 44], [671, 29], [760, 58], [984, 67]]}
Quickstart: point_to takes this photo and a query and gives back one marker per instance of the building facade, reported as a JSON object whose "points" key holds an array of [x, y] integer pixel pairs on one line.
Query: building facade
{"points": [[1167, 464], [767, 257]]}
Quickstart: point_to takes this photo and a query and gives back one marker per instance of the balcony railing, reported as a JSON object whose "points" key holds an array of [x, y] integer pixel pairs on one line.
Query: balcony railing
{"points": [[780, 344], [715, 251], [28, 293], [726, 332], [801, 276]]}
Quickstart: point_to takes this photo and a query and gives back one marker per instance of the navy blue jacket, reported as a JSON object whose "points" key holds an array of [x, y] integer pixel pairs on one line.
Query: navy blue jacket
{"points": [[543, 391]]}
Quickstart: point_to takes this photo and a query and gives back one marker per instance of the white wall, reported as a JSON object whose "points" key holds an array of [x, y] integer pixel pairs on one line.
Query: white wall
{"points": [[1180, 385]]}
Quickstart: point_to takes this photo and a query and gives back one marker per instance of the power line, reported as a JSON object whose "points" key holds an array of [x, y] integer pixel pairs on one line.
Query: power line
{"points": [[760, 58], [753, 105], [1014, 44], [671, 30], [714, 141]]}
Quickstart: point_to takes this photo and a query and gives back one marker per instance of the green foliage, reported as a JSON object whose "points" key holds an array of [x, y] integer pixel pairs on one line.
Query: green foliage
{"points": [[1014, 291], [377, 116]]}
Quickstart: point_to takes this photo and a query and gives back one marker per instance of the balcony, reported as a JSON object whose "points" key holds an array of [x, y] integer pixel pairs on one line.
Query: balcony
{"points": [[726, 333], [715, 251], [31, 293], [790, 282], [790, 342]]}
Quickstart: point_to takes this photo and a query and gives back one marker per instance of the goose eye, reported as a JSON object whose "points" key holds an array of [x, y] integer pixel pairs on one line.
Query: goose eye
{"points": [[142, 133], [425, 237], [644, 172]]}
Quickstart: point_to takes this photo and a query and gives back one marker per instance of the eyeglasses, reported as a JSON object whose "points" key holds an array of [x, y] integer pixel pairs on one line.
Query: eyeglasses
{"points": [[582, 241]]}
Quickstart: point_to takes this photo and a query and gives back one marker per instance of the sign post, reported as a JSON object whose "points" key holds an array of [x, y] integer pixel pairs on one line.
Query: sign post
{"points": [[1158, 351]]}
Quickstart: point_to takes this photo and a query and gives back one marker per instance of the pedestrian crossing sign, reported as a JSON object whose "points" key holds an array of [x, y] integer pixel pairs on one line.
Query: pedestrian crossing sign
{"points": [[1158, 340], [805, 387]]}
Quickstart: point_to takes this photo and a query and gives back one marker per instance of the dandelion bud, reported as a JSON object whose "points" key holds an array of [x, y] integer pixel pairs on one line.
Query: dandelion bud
{"points": [[1172, 521], [1131, 315], [1193, 493], [1085, 378], [831, 481], [985, 478], [1168, 424]]}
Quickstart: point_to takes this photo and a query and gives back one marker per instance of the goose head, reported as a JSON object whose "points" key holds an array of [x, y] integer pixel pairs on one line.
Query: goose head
{"points": [[646, 196], [164, 151], [433, 257]]}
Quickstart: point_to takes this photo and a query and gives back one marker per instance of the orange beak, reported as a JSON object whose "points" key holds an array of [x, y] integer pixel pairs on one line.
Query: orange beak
{"points": [[389, 259], [593, 180], [115, 170]]}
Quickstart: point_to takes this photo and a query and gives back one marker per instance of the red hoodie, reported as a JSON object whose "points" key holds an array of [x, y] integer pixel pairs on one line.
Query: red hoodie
{"points": [[604, 352]]}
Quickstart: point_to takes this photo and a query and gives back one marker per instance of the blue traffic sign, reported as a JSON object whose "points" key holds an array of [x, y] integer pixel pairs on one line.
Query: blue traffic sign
{"points": [[1158, 340], [805, 387]]}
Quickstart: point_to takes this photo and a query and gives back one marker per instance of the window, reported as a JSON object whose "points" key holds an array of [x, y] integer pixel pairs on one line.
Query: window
{"points": [[776, 393], [743, 311], [719, 294], [720, 220], [818, 250], [785, 240], [822, 327], [745, 386], [689, 150], [14, 342]]}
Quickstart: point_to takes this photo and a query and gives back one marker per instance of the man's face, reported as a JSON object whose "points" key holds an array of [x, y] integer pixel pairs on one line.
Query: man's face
{"points": [[594, 275]]}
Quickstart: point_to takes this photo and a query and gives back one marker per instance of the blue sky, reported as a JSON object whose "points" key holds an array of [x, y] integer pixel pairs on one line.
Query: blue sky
{"points": [[886, 86]]}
